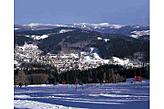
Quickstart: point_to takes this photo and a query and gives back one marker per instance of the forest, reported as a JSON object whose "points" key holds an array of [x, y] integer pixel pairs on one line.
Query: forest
{"points": [[45, 74]]}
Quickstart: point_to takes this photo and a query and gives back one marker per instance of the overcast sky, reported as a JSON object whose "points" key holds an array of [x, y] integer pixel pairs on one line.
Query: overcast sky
{"points": [[80, 11]]}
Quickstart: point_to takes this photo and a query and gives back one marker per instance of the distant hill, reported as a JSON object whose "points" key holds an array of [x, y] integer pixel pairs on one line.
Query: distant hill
{"points": [[110, 40]]}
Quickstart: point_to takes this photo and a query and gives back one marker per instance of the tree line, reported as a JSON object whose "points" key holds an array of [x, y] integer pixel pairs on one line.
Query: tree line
{"points": [[103, 74]]}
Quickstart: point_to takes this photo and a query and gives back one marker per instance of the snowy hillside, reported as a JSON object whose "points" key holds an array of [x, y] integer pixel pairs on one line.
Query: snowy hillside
{"points": [[82, 45]]}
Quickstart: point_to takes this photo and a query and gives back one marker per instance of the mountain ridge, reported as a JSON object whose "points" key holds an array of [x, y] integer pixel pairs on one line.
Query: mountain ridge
{"points": [[73, 39]]}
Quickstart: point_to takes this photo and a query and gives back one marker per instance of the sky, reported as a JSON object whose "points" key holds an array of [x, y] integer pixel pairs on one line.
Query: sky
{"points": [[133, 12]]}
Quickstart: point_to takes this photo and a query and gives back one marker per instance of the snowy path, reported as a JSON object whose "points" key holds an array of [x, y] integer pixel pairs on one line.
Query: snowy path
{"points": [[92, 96]]}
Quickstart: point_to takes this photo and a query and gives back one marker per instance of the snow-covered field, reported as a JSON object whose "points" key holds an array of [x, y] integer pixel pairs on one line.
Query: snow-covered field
{"points": [[91, 96]]}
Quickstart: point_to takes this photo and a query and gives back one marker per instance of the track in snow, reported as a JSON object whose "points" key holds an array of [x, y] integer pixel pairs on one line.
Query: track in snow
{"points": [[92, 96]]}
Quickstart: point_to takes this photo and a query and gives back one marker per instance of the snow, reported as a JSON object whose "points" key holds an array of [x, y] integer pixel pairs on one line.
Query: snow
{"points": [[99, 38], [122, 62], [100, 25], [34, 24], [83, 53], [108, 95], [37, 37], [16, 28], [40, 85], [27, 35], [124, 95], [44, 36], [37, 24], [96, 56], [74, 55], [92, 49], [39, 105], [137, 34], [106, 61], [59, 25], [16, 62], [83, 25], [89, 26], [87, 59], [65, 30], [106, 40], [93, 57], [22, 96]]}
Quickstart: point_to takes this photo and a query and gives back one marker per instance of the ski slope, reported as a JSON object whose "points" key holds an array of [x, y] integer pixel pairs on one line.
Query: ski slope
{"points": [[88, 96]]}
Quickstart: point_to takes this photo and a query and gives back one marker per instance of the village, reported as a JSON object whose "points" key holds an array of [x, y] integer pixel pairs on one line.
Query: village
{"points": [[30, 53]]}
